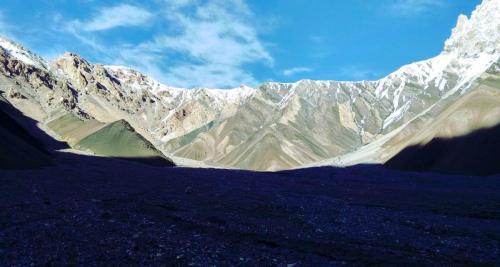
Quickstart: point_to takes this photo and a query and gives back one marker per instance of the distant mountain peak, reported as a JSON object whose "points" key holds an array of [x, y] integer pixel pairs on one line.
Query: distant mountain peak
{"points": [[479, 34], [21, 53]]}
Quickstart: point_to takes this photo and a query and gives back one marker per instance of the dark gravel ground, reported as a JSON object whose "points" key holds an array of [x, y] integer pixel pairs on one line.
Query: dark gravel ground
{"points": [[89, 211]]}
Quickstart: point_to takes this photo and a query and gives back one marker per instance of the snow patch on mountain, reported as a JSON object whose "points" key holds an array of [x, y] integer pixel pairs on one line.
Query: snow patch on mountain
{"points": [[17, 51]]}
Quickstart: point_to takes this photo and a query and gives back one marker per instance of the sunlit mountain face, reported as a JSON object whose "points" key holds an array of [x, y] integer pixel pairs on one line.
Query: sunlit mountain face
{"points": [[274, 126]]}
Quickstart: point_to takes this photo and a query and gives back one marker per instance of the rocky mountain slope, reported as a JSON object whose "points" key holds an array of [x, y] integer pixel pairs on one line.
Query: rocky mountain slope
{"points": [[289, 125], [462, 138], [272, 127], [59, 105]]}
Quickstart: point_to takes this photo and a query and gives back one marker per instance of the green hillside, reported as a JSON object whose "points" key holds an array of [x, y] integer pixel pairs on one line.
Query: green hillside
{"points": [[120, 140], [73, 129]]}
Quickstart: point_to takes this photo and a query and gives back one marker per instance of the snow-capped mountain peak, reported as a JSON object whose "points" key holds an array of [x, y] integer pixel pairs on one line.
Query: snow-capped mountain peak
{"points": [[22, 54], [479, 34]]}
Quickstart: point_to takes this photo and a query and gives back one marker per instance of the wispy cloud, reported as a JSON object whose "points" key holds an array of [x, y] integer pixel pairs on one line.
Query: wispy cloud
{"points": [[407, 8], [358, 73], [5, 28], [293, 71], [317, 39], [207, 43], [178, 3], [218, 39], [320, 46], [117, 16]]}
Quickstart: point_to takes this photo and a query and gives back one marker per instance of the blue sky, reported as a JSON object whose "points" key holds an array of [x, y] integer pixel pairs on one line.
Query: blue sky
{"points": [[226, 43]]}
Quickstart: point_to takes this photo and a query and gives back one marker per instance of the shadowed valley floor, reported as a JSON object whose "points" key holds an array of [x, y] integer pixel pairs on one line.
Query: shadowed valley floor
{"points": [[90, 210]]}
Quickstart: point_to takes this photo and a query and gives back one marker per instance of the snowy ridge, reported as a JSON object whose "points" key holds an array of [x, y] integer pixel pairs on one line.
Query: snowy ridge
{"points": [[139, 81], [19, 52], [480, 33]]}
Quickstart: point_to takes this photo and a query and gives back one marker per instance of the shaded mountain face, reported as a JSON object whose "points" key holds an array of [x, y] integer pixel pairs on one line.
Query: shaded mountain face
{"points": [[275, 126], [476, 154], [19, 149], [463, 136]]}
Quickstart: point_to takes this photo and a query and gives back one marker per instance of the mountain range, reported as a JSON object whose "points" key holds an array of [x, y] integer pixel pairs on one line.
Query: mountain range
{"points": [[119, 112], [104, 166]]}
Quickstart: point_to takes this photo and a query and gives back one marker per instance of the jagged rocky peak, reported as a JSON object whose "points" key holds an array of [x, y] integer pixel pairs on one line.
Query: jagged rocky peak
{"points": [[137, 81], [21, 53], [131, 78], [71, 61], [82, 74], [479, 34], [15, 64], [122, 70]]}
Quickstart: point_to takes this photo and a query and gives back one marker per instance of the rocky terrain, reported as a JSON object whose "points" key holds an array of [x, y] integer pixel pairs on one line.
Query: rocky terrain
{"points": [[93, 211], [272, 127]]}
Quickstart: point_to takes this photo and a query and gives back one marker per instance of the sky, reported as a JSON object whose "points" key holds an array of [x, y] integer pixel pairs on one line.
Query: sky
{"points": [[227, 43]]}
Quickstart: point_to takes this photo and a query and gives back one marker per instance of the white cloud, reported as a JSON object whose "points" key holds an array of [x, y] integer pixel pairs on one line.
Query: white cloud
{"points": [[414, 7], [118, 16], [217, 39], [207, 43], [209, 75], [293, 71]]}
